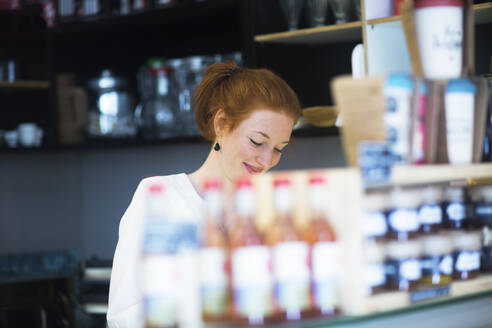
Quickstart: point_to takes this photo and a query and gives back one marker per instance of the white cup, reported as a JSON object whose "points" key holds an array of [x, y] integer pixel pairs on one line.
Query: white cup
{"points": [[12, 138], [30, 135], [459, 102], [439, 30]]}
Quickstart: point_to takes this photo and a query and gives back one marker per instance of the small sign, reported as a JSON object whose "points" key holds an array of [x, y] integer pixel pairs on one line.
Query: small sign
{"points": [[375, 160], [428, 294]]}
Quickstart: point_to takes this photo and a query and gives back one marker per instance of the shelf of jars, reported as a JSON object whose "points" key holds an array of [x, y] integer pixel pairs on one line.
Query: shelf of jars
{"points": [[123, 15], [25, 84]]}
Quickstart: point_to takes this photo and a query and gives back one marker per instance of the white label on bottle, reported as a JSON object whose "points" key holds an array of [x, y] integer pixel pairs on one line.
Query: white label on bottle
{"points": [[396, 120], [468, 261], [374, 224], [455, 211], [291, 272], [404, 220], [160, 288], [459, 126], [483, 210], [252, 280], [410, 270], [446, 265], [375, 275], [430, 214], [325, 263], [212, 266]]}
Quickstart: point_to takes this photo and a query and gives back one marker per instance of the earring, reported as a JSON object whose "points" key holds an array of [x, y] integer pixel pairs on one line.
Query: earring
{"points": [[217, 146]]}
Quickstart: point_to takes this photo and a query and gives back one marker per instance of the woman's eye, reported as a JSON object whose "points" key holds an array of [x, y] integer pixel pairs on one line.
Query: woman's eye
{"points": [[278, 150], [254, 142]]}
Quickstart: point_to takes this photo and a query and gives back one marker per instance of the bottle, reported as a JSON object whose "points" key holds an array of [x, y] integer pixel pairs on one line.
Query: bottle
{"points": [[324, 252], [159, 263], [467, 251], [430, 212], [403, 265], [403, 220], [290, 257], [418, 141], [374, 267], [252, 281], [213, 256], [454, 209], [158, 111], [374, 222], [437, 260]]}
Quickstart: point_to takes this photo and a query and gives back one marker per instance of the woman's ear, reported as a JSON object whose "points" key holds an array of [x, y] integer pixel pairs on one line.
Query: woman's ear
{"points": [[220, 123]]}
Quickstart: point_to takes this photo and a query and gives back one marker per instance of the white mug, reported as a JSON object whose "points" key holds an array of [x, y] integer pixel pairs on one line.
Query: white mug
{"points": [[30, 135]]}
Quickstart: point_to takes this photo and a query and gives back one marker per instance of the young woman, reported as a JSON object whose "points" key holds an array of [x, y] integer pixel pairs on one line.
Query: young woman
{"points": [[248, 114]]}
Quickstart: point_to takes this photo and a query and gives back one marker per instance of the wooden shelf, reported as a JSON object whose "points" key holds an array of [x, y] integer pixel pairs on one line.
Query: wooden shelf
{"points": [[317, 35], [465, 174], [383, 20], [27, 84], [483, 13], [399, 300]]}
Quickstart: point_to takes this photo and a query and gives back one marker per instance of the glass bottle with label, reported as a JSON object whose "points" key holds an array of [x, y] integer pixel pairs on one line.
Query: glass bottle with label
{"points": [[430, 212], [374, 267], [159, 263], [403, 221], [325, 252], [252, 280], [467, 250], [213, 256], [454, 209], [290, 256], [403, 267], [374, 223], [437, 260], [482, 219]]}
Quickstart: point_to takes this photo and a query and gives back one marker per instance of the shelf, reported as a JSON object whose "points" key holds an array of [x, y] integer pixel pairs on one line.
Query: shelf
{"points": [[317, 35], [26, 84], [383, 20], [465, 174], [162, 15], [483, 13]]}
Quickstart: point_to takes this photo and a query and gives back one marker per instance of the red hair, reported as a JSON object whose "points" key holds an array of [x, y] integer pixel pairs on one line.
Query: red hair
{"points": [[239, 91]]}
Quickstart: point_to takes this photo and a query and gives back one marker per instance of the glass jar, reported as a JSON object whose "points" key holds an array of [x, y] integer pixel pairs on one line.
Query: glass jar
{"points": [[403, 220], [486, 261], [437, 260], [430, 212], [481, 206], [374, 268], [466, 255], [403, 267], [374, 224], [454, 209]]}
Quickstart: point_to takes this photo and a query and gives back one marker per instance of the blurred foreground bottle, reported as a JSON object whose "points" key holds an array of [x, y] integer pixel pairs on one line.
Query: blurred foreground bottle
{"points": [[290, 257], [170, 285], [213, 256], [325, 251], [252, 281]]}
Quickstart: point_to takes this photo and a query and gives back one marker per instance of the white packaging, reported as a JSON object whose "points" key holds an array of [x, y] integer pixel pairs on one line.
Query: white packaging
{"points": [[440, 38]]}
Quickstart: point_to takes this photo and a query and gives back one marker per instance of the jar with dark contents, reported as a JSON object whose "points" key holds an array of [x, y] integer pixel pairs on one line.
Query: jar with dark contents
{"points": [[437, 260], [374, 268], [403, 221], [481, 206], [466, 254], [374, 224], [454, 209], [403, 267], [430, 212], [486, 260]]}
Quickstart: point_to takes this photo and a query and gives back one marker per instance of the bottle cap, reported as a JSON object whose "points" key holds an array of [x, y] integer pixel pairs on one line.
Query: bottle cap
{"points": [[316, 179], [281, 181], [403, 249], [466, 241], [461, 85], [436, 244], [431, 195], [212, 184], [244, 182], [156, 188], [454, 194], [377, 201]]}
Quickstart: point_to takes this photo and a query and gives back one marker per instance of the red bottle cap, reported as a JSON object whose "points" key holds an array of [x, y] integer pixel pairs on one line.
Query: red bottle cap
{"points": [[243, 182], [437, 3], [212, 184], [281, 181], [156, 188], [316, 179]]}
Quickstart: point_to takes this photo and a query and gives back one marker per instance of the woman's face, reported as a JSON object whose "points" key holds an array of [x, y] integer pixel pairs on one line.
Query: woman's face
{"points": [[256, 144]]}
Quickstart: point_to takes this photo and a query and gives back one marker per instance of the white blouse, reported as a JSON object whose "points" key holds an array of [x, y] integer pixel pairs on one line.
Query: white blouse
{"points": [[125, 299]]}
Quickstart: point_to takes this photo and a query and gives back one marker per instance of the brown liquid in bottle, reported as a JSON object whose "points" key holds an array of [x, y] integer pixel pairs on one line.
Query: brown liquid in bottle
{"points": [[323, 253], [290, 258], [250, 263], [214, 256]]}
